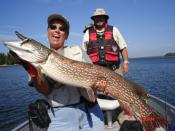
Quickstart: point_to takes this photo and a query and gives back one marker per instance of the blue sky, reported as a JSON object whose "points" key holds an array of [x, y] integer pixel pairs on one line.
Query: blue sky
{"points": [[147, 25]]}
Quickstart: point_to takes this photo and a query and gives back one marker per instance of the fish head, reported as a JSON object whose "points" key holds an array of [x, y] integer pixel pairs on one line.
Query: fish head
{"points": [[28, 49]]}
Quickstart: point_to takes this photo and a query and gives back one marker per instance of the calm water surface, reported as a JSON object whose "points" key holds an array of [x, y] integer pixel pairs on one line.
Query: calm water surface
{"points": [[157, 75]]}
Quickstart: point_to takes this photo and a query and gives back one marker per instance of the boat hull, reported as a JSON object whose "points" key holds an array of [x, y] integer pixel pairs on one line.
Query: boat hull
{"points": [[164, 108]]}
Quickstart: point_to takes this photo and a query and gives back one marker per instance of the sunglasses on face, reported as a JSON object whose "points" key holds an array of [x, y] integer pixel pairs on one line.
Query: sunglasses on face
{"points": [[54, 27], [101, 18]]}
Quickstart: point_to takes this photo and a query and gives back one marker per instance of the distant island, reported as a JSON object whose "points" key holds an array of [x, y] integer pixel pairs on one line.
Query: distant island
{"points": [[171, 54]]}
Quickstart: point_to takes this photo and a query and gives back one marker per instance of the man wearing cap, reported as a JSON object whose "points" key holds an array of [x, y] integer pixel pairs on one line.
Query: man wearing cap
{"points": [[104, 43], [73, 109]]}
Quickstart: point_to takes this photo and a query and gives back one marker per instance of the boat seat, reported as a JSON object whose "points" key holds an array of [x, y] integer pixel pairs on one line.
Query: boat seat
{"points": [[108, 105]]}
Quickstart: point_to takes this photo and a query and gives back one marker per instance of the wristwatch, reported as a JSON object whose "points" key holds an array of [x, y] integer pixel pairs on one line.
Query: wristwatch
{"points": [[126, 62]]}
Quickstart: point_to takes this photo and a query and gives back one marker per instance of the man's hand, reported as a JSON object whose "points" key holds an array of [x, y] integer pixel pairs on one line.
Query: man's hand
{"points": [[125, 67], [101, 85]]}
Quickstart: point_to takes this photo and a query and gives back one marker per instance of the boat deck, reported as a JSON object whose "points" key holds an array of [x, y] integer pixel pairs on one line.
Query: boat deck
{"points": [[161, 106]]}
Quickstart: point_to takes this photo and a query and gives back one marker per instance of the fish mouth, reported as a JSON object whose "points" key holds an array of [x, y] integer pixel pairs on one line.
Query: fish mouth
{"points": [[27, 66], [13, 45], [16, 48], [18, 60], [13, 48], [13, 53]]}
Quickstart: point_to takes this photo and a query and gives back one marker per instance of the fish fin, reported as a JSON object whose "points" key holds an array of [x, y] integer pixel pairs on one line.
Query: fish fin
{"points": [[91, 95], [153, 121], [139, 90], [127, 108], [29, 68], [127, 113]]}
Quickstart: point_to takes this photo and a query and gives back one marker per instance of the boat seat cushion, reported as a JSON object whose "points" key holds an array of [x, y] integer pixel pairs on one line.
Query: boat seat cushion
{"points": [[106, 104]]}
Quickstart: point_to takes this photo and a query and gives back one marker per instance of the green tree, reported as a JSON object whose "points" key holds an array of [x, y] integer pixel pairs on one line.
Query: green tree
{"points": [[9, 59], [2, 58]]}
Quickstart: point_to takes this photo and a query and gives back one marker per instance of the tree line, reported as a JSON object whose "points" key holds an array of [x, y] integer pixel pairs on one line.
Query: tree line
{"points": [[7, 59]]}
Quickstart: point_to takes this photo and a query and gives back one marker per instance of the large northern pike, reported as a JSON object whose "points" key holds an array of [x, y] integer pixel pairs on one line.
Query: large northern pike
{"points": [[85, 75]]}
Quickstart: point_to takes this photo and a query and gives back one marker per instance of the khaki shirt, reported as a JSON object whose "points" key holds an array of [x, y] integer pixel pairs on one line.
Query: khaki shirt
{"points": [[65, 94]]}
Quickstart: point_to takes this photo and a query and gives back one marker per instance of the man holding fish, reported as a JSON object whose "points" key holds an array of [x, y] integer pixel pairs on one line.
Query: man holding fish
{"points": [[74, 110]]}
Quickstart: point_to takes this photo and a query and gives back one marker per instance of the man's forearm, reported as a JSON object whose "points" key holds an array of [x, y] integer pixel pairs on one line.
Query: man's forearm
{"points": [[125, 59], [124, 54]]}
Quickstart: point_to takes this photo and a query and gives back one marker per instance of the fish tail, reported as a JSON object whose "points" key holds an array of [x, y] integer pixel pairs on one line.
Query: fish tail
{"points": [[153, 121], [150, 122]]}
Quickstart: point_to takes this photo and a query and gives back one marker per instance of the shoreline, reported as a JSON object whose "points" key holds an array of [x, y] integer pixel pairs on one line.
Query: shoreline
{"points": [[5, 65]]}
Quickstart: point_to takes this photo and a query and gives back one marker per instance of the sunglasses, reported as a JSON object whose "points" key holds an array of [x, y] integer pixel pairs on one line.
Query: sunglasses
{"points": [[54, 27]]}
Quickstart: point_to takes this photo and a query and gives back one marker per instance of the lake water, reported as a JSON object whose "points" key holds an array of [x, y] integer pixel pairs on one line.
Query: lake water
{"points": [[156, 75]]}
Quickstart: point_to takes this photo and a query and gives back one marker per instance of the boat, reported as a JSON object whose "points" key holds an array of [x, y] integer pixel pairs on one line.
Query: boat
{"points": [[112, 110]]}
